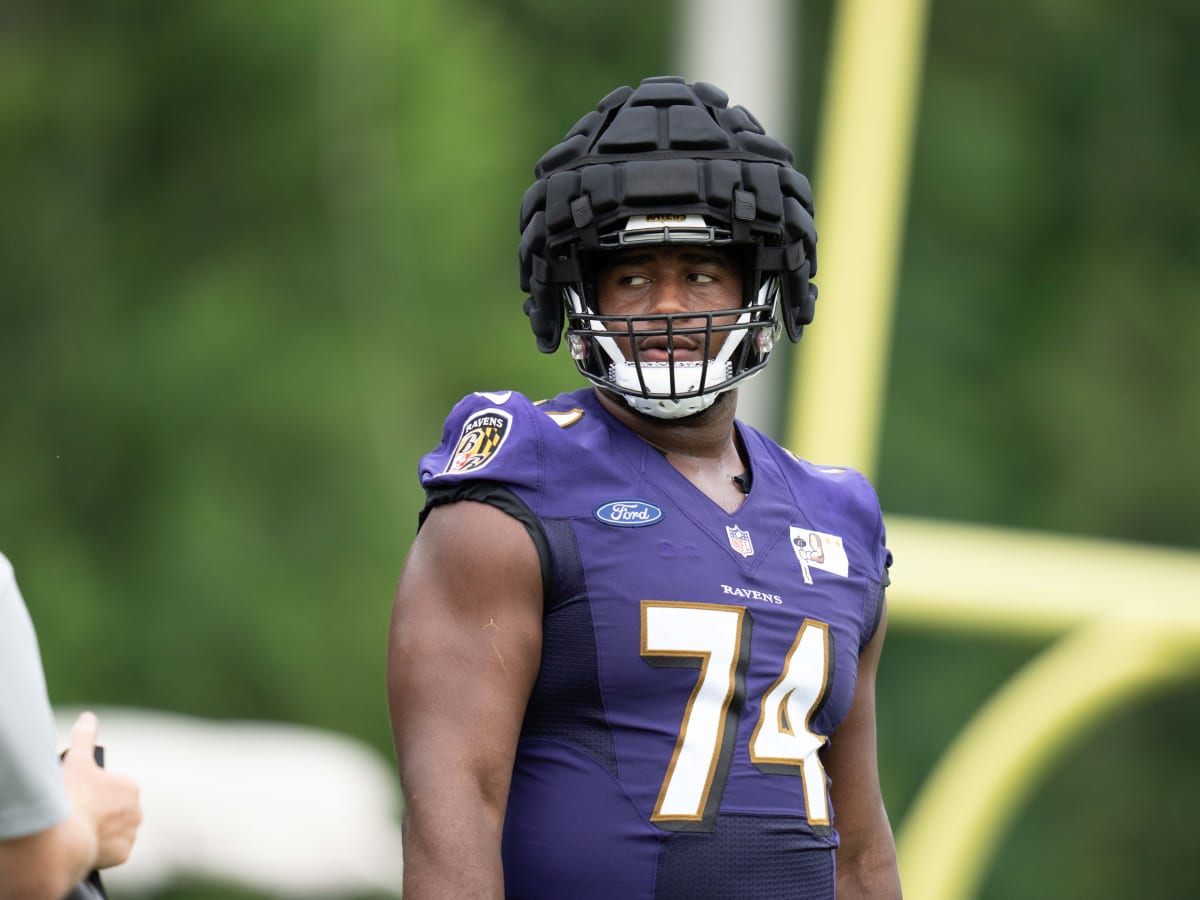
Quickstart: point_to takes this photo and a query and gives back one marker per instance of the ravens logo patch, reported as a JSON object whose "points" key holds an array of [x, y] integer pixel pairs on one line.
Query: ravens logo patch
{"points": [[482, 437]]}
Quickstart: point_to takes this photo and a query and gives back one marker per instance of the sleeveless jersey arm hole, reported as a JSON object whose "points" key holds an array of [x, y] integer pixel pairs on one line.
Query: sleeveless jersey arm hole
{"points": [[502, 498], [873, 618], [876, 597]]}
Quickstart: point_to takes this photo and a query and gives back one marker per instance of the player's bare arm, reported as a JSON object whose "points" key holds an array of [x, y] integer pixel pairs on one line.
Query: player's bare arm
{"points": [[866, 859], [464, 649]]}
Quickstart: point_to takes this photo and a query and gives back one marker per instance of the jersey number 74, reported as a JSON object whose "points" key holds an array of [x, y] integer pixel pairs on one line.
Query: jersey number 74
{"points": [[716, 639]]}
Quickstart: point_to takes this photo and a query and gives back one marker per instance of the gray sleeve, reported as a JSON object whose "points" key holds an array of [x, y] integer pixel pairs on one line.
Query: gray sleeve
{"points": [[32, 796]]}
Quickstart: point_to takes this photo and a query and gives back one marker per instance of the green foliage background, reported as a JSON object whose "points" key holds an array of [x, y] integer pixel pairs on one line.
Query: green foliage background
{"points": [[252, 253]]}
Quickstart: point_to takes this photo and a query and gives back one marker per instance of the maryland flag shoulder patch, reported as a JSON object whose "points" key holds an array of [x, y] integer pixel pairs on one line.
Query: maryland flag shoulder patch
{"points": [[483, 434]]}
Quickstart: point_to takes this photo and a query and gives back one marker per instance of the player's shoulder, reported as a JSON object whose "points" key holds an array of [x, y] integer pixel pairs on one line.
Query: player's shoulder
{"points": [[845, 482], [504, 435], [506, 412], [833, 477], [564, 409], [840, 484]]}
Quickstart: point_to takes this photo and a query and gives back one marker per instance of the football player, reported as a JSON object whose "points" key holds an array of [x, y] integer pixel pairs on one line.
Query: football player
{"points": [[634, 645]]}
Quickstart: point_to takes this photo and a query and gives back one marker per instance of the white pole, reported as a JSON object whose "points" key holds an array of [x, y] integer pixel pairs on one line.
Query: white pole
{"points": [[746, 49]]}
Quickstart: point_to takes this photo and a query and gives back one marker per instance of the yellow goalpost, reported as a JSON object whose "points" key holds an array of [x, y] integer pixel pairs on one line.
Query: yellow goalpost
{"points": [[1120, 610]]}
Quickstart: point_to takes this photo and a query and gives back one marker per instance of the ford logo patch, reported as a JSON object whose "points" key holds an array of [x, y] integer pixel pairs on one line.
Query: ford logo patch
{"points": [[628, 513]]}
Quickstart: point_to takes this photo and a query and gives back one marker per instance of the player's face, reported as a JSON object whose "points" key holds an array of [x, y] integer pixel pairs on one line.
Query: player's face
{"points": [[666, 280]]}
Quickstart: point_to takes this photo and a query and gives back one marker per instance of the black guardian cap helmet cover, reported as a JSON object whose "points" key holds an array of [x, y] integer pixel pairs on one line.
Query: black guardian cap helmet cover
{"points": [[667, 163]]}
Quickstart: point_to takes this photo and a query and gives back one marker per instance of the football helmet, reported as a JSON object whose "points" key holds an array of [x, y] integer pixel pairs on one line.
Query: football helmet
{"points": [[667, 163]]}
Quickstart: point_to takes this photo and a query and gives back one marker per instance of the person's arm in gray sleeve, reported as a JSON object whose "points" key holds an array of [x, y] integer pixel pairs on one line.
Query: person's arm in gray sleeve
{"points": [[56, 822]]}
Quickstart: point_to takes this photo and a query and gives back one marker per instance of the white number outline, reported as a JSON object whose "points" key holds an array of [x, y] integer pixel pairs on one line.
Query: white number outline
{"points": [[692, 635], [801, 690]]}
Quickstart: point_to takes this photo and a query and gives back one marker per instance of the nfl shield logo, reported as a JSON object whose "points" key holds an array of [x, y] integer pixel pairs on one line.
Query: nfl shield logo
{"points": [[739, 540]]}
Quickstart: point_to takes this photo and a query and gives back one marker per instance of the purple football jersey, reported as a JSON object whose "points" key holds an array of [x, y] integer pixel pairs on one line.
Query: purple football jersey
{"points": [[694, 661]]}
